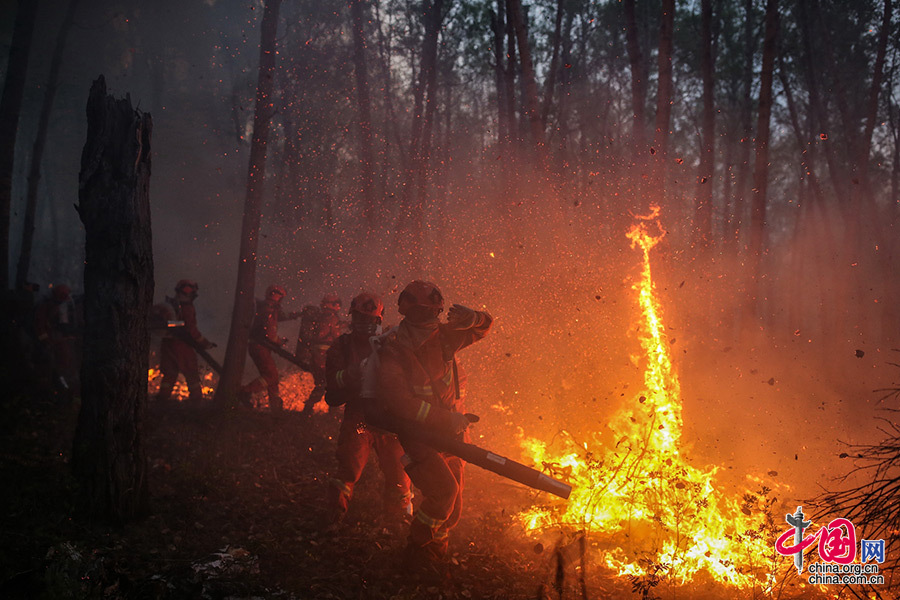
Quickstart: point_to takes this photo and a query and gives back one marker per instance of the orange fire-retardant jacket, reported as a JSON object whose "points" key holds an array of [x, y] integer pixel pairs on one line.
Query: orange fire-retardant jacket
{"points": [[343, 375], [265, 323], [319, 327], [420, 381], [185, 311]]}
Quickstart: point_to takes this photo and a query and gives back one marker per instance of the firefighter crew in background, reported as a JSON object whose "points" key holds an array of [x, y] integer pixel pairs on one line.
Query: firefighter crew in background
{"points": [[343, 373], [319, 328], [417, 379], [265, 327], [55, 328], [176, 352]]}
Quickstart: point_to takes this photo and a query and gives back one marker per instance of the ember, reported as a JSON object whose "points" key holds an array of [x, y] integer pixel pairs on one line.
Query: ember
{"points": [[640, 491]]}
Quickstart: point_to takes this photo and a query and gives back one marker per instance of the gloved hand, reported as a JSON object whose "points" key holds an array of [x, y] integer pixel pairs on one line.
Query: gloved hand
{"points": [[461, 317], [210, 345], [458, 423], [355, 372]]}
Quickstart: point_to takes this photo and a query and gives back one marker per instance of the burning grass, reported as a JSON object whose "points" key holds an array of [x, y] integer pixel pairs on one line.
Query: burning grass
{"points": [[296, 386], [657, 517]]}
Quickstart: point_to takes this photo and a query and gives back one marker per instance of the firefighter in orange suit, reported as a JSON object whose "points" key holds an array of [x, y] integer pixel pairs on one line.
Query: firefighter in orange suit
{"points": [[55, 328], [176, 352], [343, 374], [417, 379], [319, 327], [265, 328]]}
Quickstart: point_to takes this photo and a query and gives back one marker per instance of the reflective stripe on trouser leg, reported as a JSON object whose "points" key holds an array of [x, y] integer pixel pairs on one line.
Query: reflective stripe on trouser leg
{"points": [[424, 409], [430, 522], [344, 487]]}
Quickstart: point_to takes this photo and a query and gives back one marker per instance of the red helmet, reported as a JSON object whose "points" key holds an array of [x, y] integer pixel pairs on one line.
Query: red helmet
{"points": [[420, 293], [61, 292], [330, 299], [185, 283], [368, 304], [275, 289]]}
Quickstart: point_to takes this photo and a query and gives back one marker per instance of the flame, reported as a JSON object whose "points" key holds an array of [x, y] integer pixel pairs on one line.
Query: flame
{"points": [[295, 387], [658, 513], [208, 380]]}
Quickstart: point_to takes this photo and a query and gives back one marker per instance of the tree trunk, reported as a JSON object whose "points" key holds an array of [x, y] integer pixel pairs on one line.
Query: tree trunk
{"points": [[497, 26], [862, 161], [420, 144], [37, 152], [532, 108], [511, 67], [736, 218], [114, 205], [817, 106], [10, 106], [553, 69], [242, 313], [703, 211], [807, 162], [664, 92], [392, 127], [757, 245], [367, 157], [565, 83], [638, 85]]}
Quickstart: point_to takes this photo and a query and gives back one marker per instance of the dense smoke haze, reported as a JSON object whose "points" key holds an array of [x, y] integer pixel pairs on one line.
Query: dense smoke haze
{"points": [[781, 323], [547, 256]]}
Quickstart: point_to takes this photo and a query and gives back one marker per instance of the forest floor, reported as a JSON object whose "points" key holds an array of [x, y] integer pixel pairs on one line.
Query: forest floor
{"points": [[237, 511]]}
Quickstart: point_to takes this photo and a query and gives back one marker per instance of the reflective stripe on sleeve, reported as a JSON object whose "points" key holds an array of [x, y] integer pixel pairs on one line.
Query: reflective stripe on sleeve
{"points": [[424, 409], [339, 378]]}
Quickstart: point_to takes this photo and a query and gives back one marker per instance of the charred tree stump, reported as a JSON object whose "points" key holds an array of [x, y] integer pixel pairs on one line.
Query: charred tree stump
{"points": [[114, 205]]}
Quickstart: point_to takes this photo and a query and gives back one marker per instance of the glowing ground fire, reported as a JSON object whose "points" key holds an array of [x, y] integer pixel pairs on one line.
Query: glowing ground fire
{"points": [[653, 512]]}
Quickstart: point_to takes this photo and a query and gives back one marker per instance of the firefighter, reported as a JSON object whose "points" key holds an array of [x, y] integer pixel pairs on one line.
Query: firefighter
{"points": [[319, 327], [265, 328], [176, 352], [343, 374], [55, 329], [417, 379]]}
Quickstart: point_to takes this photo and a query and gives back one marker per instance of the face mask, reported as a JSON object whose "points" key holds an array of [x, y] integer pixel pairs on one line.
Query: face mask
{"points": [[365, 326]]}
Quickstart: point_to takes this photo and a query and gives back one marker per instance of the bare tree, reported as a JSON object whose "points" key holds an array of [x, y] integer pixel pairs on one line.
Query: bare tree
{"points": [[865, 146], [114, 205], [364, 103], [638, 85], [532, 106], [665, 91], [40, 139], [425, 100], [550, 84], [498, 24], [512, 64], [757, 246], [703, 207], [10, 106], [242, 313]]}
